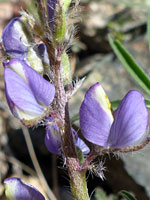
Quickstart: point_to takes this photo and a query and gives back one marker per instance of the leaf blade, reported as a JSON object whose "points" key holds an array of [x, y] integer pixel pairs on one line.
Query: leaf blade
{"points": [[130, 65], [127, 195]]}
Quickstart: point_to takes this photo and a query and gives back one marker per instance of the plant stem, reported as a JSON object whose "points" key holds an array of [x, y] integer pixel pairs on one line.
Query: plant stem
{"points": [[77, 176]]}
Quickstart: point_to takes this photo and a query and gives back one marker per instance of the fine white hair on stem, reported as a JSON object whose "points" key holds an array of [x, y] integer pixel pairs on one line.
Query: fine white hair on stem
{"points": [[98, 169]]}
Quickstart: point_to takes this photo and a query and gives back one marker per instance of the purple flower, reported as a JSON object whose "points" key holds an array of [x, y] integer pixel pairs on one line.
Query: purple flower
{"points": [[15, 189], [53, 139], [17, 42], [14, 39], [126, 127], [28, 93]]}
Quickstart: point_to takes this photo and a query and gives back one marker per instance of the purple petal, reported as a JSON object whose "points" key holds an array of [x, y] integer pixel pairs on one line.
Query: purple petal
{"points": [[42, 90], [53, 139], [80, 143], [51, 4], [19, 94], [82, 146], [14, 39], [15, 189], [130, 121], [95, 116]]}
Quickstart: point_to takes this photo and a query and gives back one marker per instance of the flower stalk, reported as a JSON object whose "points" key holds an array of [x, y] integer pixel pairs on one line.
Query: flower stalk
{"points": [[77, 177]]}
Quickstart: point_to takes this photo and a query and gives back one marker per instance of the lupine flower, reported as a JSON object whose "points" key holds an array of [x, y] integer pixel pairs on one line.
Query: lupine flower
{"points": [[17, 42], [126, 127], [15, 189], [53, 139], [14, 39], [28, 94]]}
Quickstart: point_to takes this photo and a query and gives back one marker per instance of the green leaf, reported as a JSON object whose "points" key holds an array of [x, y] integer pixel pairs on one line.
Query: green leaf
{"points": [[147, 101], [127, 195], [114, 105], [130, 65]]}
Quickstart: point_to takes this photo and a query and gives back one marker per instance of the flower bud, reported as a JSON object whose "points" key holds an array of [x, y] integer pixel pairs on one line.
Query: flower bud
{"points": [[66, 73], [53, 139], [17, 42], [61, 20], [51, 4], [16, 38]]}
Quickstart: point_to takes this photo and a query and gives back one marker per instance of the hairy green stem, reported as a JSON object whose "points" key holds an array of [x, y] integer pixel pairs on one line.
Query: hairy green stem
{"points": [[77, 180], [77, 176]]}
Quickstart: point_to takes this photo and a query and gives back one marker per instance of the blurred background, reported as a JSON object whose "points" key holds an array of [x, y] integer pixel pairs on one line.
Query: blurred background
{"points": [[90, 56]]}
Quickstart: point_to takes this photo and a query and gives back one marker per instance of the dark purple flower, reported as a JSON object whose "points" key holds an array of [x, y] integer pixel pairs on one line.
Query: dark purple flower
{"points": [[53, 139], [42, 53], [126, 127], [27, 92], [51, 4], [15, 189]]}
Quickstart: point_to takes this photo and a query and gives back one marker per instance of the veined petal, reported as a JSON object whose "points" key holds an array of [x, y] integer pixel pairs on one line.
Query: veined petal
{"points": [[53, 139], [14, 39], [15, 189], [95, 115], [20, 95], [43, 91], [130, 121]]}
